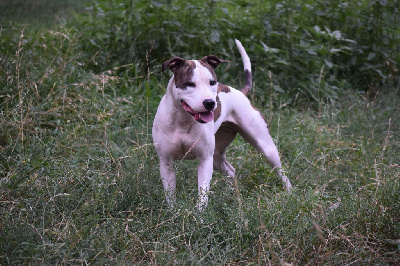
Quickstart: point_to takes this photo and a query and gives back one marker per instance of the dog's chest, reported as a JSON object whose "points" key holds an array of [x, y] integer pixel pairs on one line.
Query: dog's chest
{"points": [[190, 145]]}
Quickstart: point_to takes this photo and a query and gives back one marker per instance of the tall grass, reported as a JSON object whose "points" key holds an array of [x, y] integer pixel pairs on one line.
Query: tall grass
{"points": [[79, 178]]}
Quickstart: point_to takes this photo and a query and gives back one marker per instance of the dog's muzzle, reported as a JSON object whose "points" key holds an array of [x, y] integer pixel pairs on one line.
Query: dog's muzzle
{"points": [[201, 117]]}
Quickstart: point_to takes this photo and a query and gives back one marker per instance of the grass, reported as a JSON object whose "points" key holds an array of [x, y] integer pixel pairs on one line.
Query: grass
{"points": [[79, 177]]}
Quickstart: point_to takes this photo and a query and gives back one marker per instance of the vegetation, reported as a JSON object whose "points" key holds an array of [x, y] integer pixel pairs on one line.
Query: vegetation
{"points": [[79, 177], [314, 49]]}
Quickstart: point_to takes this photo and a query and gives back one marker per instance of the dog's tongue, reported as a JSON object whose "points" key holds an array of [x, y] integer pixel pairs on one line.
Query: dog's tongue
{"points": [[202, 117], [205, 117]]}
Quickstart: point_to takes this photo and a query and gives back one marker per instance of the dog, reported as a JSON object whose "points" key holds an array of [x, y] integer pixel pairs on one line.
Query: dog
{"points": [[198, 118]]}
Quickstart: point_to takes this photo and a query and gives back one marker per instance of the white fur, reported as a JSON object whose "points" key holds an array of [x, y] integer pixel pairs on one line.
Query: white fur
{"points": [[245, 57]]}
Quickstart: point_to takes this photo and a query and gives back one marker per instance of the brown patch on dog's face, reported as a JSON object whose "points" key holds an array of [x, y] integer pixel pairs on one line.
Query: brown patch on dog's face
{"points": [[184, 74], [182, 69], [217, 111]]}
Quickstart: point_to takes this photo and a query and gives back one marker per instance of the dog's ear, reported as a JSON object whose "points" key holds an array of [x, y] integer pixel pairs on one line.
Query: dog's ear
{"points": [[173, 64], [212, 60]]}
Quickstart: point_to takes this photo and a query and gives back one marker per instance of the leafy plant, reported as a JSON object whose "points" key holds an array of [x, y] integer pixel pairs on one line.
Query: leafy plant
{"points": [[314, 50]]}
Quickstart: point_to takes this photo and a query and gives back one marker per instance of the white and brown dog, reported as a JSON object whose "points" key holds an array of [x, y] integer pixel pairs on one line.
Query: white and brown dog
{"points": [[199, 117]]}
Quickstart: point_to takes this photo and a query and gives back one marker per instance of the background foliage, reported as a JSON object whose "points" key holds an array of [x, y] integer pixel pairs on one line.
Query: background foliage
{"points": [[79, 178], [314, 49]]}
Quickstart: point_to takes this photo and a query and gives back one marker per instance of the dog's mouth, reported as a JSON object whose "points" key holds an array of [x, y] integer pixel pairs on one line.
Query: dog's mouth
{"points": [[201, 117]]}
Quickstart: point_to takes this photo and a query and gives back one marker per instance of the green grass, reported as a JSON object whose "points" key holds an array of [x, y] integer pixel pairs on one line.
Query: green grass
{"points": [[79, 177]]}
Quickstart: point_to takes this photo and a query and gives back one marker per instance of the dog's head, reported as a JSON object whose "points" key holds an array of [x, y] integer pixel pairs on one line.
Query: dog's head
{"points": [[195, 85]]}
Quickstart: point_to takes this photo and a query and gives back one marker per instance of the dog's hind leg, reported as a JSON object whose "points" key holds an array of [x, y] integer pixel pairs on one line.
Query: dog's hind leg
{"points": [[255, 131], [224, 136]]}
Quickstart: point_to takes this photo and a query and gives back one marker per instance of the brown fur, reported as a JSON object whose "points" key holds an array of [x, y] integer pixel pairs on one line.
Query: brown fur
{"points": [[184, 74], [217, 111]]}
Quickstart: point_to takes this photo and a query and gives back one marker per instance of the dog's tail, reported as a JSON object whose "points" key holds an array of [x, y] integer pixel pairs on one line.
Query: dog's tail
{"points": [[247, 67]]}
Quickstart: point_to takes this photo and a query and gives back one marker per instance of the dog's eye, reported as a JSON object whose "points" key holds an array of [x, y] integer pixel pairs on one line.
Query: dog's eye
{"points": [[213, 82], [189, 84]]}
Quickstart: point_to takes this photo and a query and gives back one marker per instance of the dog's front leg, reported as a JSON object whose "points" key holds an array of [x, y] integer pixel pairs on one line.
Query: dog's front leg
{"points": [[205, 171], [168, 180]]}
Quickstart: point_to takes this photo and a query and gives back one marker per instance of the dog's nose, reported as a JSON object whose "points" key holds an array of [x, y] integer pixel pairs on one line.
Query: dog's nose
{"points": [[209, 104]]}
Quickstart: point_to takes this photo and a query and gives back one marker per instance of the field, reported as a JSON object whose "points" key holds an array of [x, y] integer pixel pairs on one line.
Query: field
{"points": [[79, 178]]}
